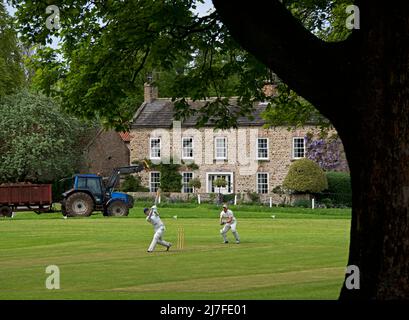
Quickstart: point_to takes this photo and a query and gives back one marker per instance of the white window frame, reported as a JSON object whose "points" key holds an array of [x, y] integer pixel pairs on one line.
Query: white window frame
{"points": [[294, 148], [183, 182], [216, 148], [150, 180], [150, 147], [257, 149], [183, 148], [257, 182]]}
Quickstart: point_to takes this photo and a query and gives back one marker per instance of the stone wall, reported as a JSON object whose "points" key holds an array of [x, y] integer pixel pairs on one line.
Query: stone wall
{"points": [[104, 153]]}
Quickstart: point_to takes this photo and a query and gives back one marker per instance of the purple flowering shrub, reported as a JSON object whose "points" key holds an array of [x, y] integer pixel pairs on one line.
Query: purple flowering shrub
{"points": [[325, 152]]}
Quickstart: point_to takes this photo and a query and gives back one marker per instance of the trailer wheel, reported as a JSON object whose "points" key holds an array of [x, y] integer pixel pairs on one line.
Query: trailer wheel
{"points": [[79, 205], [118, 209], [6, 211]]}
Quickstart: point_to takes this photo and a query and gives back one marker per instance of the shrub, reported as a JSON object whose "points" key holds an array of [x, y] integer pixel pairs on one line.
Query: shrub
{"points": [[339, 182], [305, 176], [327, 202], [195, 183], [133, 184], [192, 166], [339, 188], [302, 203], [278, 190], [228, 198], [254, 197]]}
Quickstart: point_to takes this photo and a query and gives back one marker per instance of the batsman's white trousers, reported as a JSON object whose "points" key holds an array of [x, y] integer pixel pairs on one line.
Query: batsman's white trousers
{"points": [[157, 238], [227, 227]]}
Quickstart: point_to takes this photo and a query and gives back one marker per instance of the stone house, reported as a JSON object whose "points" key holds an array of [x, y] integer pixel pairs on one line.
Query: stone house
{"points": [[250, 158]]}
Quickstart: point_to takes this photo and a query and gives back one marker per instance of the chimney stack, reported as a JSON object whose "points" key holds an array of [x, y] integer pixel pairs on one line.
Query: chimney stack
{"points": [[150, 92]]}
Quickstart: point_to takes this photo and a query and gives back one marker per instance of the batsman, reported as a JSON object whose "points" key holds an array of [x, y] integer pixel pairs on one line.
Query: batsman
{"points": [[230, 222], [152, 216]]}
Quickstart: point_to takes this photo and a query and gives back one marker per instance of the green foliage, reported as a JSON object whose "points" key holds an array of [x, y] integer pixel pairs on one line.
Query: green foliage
{"points": [[278, 190], [228, 198], [106, 54], [38, 142], [302, 203], [327, 202], [305, 176], [170, 178], [11, 71], [195, 183], [339, 182], [254, 197], [192, 166], [288, 108], [220, 182], [339, 188], [132, 184]]}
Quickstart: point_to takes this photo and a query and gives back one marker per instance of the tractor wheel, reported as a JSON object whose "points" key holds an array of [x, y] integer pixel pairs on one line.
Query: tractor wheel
{"points": [[79, 205], [118, 209], [6, 211]]}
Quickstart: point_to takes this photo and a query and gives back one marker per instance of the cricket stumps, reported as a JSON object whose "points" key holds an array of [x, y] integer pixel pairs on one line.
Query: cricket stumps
{"points": [[181, 238]]}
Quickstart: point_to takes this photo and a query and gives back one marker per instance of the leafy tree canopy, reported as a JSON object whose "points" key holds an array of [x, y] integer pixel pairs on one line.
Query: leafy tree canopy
{"points": [[108, 48], [38, 142], [11, 71]]}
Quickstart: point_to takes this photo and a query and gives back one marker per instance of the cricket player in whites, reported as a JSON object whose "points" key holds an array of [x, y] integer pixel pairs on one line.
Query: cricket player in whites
{"points": [[152, 216], [230, 222]]}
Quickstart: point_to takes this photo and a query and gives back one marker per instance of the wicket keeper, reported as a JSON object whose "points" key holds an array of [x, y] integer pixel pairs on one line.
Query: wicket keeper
{"points": [[230, 222]]}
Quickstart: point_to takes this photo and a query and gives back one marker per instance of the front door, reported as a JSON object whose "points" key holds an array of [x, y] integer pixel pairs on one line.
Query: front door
{"points": [[228, 177]]}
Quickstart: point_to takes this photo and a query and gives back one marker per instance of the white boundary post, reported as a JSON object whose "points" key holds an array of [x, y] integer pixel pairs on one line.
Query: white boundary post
{"points": [[198, 198], [271, 202], [313, 203], [235, 199]]}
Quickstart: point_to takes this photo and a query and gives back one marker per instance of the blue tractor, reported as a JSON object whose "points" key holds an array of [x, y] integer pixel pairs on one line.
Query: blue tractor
{"points": [[89, 193]]}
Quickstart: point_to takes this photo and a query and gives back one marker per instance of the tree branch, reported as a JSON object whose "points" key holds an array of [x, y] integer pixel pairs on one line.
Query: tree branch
{"points": [[311, 67]]}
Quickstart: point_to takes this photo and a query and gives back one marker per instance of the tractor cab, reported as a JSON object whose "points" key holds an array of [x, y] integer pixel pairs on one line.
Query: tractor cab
{"points": [[92, 183]]}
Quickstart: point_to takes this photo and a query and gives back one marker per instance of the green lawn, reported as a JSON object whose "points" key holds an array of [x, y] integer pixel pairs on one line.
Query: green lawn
{"points": [[301, 254]]}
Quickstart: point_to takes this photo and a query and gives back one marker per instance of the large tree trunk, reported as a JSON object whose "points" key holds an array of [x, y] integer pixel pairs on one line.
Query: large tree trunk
{"points": [[366, 96], [378, 154]]}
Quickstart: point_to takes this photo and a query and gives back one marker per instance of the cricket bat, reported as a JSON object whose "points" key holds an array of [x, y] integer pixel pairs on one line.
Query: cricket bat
{"points": [[157, 198]]}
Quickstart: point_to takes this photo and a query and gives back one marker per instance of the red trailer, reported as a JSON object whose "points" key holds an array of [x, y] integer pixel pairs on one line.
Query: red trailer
{"points": [[20, 197]]}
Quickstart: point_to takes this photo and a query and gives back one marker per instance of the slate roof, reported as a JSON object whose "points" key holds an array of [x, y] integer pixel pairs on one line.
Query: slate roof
{"points": [[160, 114]]}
